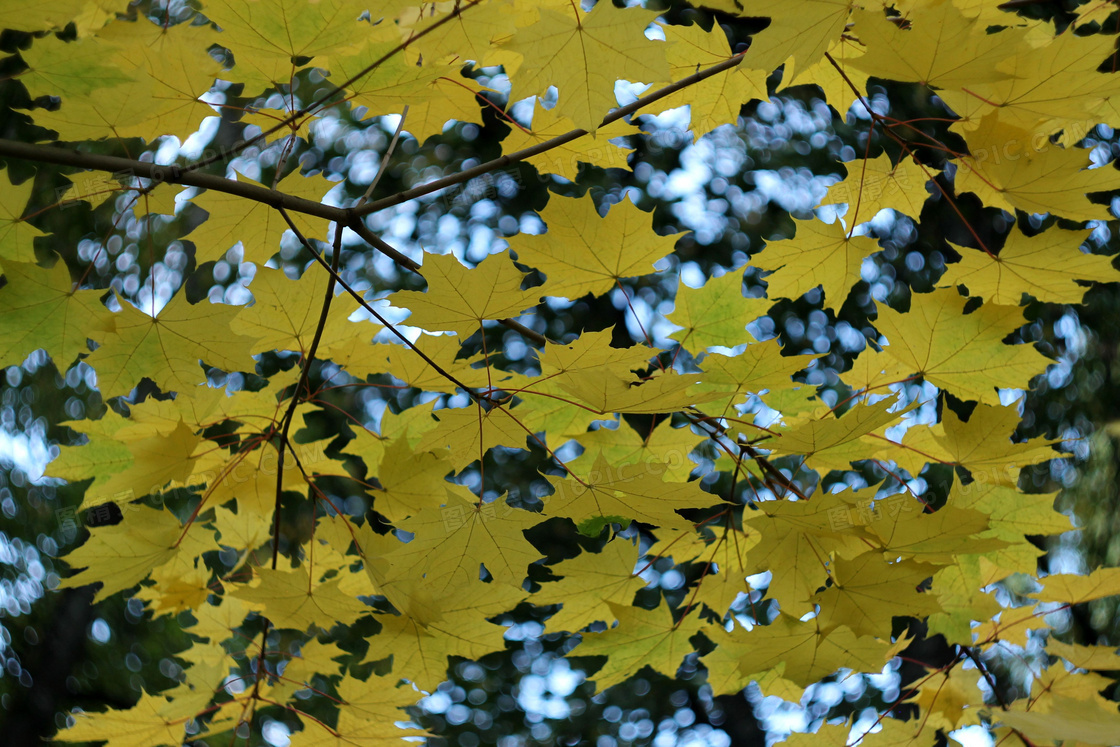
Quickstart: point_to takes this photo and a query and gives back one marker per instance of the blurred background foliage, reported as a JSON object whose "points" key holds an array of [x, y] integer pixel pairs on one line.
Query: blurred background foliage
{"points": [[731, 191]]}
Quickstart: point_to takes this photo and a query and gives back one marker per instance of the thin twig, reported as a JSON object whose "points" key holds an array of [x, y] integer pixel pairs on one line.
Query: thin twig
{"points": [[336, 278], [301, 384], [385, 158]]}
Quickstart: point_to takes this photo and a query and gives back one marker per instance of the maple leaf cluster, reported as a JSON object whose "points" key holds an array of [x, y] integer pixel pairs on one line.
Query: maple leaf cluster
{"points": [[443, 552]]}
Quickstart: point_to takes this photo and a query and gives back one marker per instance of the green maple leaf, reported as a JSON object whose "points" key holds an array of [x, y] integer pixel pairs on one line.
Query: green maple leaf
{"points": [[40, 308]]}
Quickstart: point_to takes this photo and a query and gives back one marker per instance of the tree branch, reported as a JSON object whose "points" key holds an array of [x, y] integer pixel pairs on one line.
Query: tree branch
{"points": [[556, 142], [172, 174], [349, 217], [291, 118]]}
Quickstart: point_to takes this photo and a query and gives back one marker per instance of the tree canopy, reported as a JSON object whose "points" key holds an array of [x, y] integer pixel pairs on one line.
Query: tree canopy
{"points": [[383, 365]]}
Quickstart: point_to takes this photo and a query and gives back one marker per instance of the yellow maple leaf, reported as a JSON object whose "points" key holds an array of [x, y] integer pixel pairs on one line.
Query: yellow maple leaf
{"points": [[982, 444], [623, 445], [1011, 514], [567, 159], [474, 35], [1053, 86], [564, 368], [410, 481], [34, 15], [434, 93], [268, 36], [621, 493], [405, 363], [951, 699], [249, 478], [834, 442], [583, 53], [467, 433], [420, 650], [664, 392], [122, 555], [144, 724], [938, 538], [170, 73], [1044, 266], [444, 559], [716, 313], [453, 301], [642, 638], [590, 583], [1086, 657], [1074, 589], [244, 530], [867, 591], [177, 589], [873, 370], [285, 312], [1010, 168], [963, 353], [803, 31], [759, 368], [74, 71], [591, 354], [1058, 718], [257, 226], [16, 234], [292, 599], [808, 654], [150, 464], [794, 537], [819, 254], [727, 579], [717, 100], [366, 719], [584, 253], [921, 53], [841, 87], [875, 184], [167, 348], [208, 668]]}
